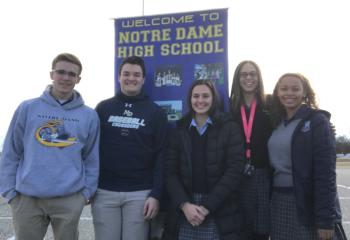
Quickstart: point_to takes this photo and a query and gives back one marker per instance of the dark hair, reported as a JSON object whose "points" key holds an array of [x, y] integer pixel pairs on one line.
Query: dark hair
{"points": [[278, 111], [67, 57], [135, 61], [236, 96], [215, 106]]}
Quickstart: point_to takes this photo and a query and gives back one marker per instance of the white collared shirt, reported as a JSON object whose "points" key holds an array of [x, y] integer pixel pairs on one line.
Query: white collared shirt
{"points": [[201, 130]]}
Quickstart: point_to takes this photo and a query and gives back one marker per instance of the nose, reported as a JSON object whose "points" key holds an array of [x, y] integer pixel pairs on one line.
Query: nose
{"points": [[201, 99], [65, 77], [289, 91], [130, 78]]}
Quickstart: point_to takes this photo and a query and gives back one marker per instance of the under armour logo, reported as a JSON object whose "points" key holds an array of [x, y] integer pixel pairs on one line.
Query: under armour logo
{"points": [[128, 105]]}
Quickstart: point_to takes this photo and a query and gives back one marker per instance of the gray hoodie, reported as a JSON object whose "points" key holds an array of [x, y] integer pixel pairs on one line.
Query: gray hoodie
{"points": [[50, 149]]}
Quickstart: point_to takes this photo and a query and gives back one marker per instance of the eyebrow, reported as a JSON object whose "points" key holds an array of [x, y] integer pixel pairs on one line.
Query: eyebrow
{"points": [[126, 71]]}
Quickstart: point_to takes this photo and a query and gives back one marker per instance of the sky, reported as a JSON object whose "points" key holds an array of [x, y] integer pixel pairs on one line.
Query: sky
{"points": [[306, 36]]}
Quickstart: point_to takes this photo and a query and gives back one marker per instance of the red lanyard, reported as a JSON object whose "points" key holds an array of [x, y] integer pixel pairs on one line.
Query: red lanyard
{"points": [[248, 126]]}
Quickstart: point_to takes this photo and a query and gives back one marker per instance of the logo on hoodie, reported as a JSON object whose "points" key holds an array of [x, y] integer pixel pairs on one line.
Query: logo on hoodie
{"points": [[53, 134], [306, 126]]}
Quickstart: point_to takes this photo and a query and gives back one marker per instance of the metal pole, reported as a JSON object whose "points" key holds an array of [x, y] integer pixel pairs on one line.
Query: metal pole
{"points": [[143, 7]]}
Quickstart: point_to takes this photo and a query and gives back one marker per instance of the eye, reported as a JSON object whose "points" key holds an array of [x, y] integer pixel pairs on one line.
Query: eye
{"points": [[283, 88], [243, 75], [72, 74], [60, 71], [253, 74], [64, 72]]}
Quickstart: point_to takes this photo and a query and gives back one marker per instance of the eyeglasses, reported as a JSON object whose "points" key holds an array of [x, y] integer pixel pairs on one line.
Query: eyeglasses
{"points": [[64, 72], [246, 74]]}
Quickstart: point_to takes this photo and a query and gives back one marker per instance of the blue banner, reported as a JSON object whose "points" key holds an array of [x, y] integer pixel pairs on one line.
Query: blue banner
{"points": [[177, 49]]}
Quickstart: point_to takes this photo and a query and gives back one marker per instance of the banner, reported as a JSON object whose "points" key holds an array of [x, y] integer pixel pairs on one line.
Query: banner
{"points": [[177, 49]]}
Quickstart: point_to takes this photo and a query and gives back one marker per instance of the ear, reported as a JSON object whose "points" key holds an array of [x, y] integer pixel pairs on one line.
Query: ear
{"points": [[51, 75], [78, 80]]}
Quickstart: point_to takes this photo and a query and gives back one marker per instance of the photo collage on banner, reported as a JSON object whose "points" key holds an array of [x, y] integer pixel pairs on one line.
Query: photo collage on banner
{"points": [[177, 49]]}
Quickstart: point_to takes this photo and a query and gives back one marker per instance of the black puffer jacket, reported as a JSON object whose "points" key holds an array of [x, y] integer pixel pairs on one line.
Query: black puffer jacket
{"points": [[224, 166]]}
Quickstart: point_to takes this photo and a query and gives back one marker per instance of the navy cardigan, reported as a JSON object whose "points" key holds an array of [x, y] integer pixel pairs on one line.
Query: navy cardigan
{"points": [[314, 175]]}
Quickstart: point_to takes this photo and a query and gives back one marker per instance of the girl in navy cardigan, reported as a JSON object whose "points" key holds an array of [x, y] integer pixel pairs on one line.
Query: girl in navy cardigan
{"points": [[304, 202]]}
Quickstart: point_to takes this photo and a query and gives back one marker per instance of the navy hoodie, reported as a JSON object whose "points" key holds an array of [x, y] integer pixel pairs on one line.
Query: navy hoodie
{"points": [[133, 132]]}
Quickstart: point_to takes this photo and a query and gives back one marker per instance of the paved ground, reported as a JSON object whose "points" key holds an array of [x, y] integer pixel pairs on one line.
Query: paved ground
{"points": [[86, 230]]}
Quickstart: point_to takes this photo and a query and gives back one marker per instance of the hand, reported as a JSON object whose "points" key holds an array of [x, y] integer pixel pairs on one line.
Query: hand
{"points": [[325, 234], [194, 214], [151, 208], [92, 199], [204, 210], [87, 201]]}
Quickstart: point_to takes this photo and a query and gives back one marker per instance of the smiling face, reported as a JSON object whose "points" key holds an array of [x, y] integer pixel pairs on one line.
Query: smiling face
{"points": [[201, 99], [64, 75], [131, 79], [290, 93], [248, 79]]}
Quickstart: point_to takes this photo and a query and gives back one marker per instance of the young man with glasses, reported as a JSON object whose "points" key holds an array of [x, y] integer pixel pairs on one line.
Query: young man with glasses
{"points": [[133, 131], [50, 162]]}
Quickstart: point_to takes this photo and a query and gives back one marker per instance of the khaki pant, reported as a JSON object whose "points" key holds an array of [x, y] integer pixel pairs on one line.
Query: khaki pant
{"points": [[32, 216], [119, 215]]}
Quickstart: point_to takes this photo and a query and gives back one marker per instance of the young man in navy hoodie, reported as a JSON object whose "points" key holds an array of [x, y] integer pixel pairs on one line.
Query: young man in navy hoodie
{"points": [[50, 162], [133, 132]]}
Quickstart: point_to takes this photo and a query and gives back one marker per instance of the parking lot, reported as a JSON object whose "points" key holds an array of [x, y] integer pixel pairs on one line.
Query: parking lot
{"points": [[86, 230]]}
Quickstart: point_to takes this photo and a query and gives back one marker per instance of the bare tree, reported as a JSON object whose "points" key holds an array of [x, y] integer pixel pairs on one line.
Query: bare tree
{"points": [[343, 144]]}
